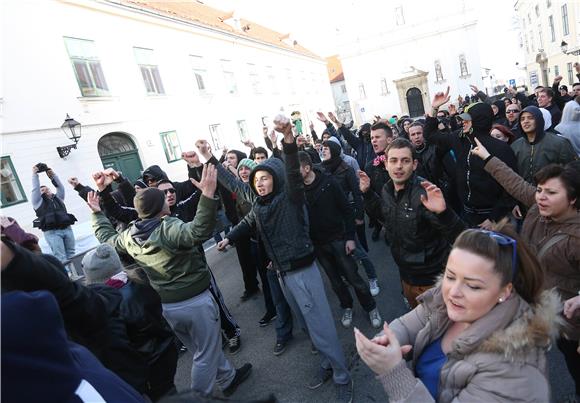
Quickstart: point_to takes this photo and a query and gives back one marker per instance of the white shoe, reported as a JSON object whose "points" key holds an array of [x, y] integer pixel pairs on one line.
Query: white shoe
{"points": [[347, 318], [375, 318], [374, 287]]}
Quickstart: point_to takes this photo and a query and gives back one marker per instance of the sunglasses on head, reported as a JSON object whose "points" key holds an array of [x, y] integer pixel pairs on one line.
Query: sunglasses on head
{"points": [[504, 240], [170, 190]]}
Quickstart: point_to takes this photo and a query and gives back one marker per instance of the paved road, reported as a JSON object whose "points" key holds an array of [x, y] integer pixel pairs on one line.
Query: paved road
{"points": [[285, 376]]}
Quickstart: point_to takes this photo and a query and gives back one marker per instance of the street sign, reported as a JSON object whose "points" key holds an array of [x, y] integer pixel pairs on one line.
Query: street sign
{"points": [[533, 79], [512, 82], [362, 109]]}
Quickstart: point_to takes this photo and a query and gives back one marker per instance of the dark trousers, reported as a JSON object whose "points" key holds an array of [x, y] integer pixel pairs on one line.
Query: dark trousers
{"points": [[568, 348], [259, 256], [336, 264], [362, 236], [228, 323], [162, 373], [247, 264]]}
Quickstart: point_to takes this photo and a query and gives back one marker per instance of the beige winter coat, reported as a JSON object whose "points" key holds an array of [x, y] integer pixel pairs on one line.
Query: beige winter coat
{"points": [[500, 357], [561, 261]]}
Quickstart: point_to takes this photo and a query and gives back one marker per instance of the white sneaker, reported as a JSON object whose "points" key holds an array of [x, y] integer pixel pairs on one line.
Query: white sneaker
{"points": [[374, 287], [375, 318], [347, 318]]}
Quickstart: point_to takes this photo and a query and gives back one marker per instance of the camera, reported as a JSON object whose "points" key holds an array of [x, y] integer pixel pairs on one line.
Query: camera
{"points": [[42, 167]]}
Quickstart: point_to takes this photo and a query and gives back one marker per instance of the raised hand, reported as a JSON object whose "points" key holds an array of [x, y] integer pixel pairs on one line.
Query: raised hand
{"points": [[283, 125], [480, 150], [334, 119], [321, 117], [73, 181], [311, 125], [452, 110], [434, 201], [93, 202], [440, 99], [364, 182], [474, 88], [99, 179], [34, 169], [557, 79], [380, 358], [208, 181], [204, 148], [112, 173], [191, 158]]}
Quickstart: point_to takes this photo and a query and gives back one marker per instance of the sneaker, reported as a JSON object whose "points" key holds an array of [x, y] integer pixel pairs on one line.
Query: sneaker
{"points": [[347, 318], [267, 319], [321, 376], [242, 374], [249, 294], [374, 287], [234, 344], [345, 393], [280, 347], [375, 318], [313, 349]]}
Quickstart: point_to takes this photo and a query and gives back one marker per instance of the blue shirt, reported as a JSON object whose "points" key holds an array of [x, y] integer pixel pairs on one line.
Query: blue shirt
{"points": [[428, 367]]}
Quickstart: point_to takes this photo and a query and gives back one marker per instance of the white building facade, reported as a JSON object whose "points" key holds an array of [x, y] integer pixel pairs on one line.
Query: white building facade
{"points": [[421, 48], [144, 84], [544, 26]]}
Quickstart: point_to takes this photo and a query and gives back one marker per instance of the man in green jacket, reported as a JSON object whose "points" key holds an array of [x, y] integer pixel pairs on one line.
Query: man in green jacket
{"points": [[171, 253]]}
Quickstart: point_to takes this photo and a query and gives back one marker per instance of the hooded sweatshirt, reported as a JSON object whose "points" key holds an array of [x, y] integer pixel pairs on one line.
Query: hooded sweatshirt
{"points": [[182, 189], [546, 148], [280, 217], [346, 158], [475, 187], [569, 126]]}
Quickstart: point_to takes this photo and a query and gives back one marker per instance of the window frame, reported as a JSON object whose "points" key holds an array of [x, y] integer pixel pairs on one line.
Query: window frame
{"points": [[215, 140], [243, 130], [199, 69], [150, 71], [18, 184], [88, 63], [384, 87], [570, 68], [362, 94], [165, 135], [565, 22], [552, 28]]}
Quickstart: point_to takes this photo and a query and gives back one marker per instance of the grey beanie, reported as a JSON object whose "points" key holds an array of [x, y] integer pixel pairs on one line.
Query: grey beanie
{"points": [[100, 264]]}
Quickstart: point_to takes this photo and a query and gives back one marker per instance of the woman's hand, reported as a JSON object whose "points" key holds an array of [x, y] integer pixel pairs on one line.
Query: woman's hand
{"points": [[380, 358], [480, 150]]}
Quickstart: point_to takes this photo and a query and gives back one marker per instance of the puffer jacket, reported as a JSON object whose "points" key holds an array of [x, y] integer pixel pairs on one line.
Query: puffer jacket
{"points": [[547, 148], [280, 217], [169, 250], [561, 261], [500, 357], [420, 240]]}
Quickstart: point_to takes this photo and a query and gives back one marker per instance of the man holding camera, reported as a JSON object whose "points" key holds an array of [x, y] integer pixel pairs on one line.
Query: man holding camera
{"points": [[52, 217]]}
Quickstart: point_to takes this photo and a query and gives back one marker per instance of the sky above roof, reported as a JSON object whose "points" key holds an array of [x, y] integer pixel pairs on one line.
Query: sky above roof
{"points": [[320, 25]]}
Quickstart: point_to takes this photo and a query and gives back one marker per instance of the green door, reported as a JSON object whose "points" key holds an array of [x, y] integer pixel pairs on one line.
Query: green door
{"points": [[118, 151], [127, 163]]}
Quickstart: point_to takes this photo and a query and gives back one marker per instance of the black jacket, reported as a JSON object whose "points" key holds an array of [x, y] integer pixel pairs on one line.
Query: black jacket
{"points": [[348, 181], [429, 166], [556, 113], [475, 187], [330, 214], [547, 148], [420, 240], [91, 315]]}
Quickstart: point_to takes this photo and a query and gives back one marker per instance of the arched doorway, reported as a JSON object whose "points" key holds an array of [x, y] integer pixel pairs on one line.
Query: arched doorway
{"points": [[119, 152], [415, 102]]}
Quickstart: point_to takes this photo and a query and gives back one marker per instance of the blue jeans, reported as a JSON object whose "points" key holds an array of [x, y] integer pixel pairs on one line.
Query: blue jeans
{"points": [[61, 242], [360, 255]]}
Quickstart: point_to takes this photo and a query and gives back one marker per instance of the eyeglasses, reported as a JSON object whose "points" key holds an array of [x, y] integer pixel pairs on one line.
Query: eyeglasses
{"points": [[170, 190], [512, 110], [504, 240]]}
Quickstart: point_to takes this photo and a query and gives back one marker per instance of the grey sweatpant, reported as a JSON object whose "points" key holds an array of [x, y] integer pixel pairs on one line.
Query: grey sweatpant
{"points": [[196, 321], [305, 294]]}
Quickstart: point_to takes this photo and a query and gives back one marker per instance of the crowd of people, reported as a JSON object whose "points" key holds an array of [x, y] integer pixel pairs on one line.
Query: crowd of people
{"points": [[478, 203]]}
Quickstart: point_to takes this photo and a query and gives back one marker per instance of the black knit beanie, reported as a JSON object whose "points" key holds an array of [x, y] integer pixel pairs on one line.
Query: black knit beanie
{"points": [[149, 202]]}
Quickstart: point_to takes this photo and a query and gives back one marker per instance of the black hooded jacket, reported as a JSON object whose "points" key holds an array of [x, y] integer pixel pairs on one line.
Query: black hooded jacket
{"points": [[475, 187], [499, 118], [547, 148], [331, 216], [182, 189]]}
